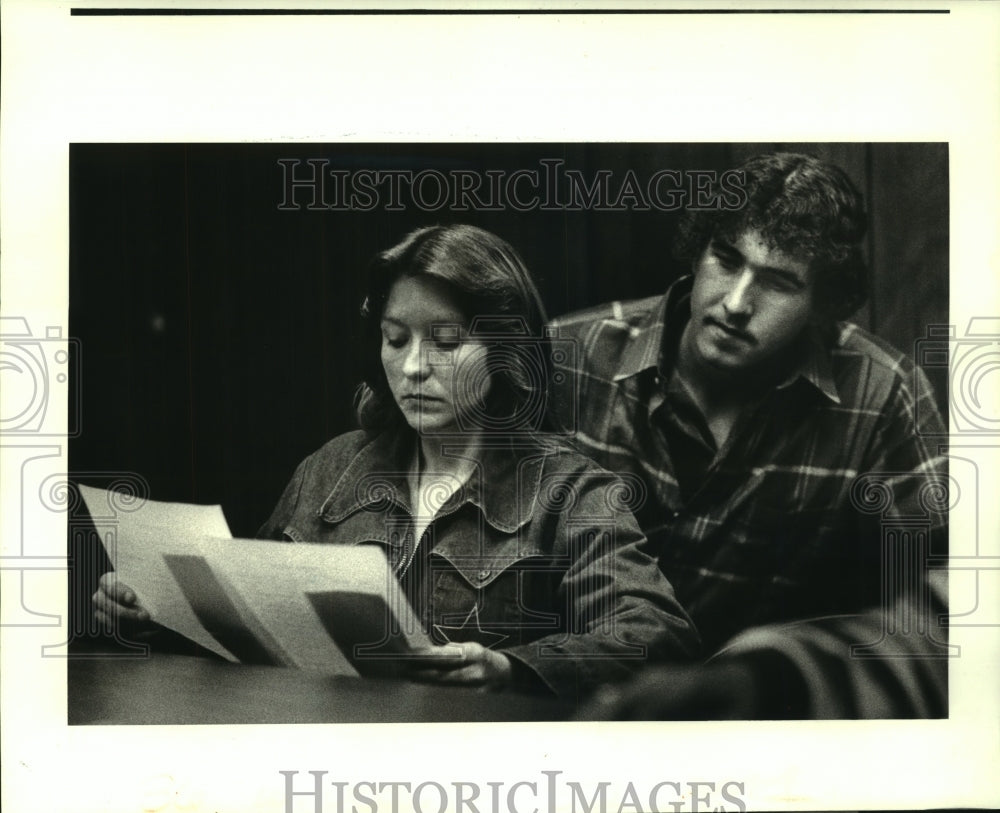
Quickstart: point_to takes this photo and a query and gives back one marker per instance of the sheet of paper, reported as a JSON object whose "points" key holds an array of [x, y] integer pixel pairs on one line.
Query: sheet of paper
{"points": [[309, 598], [135, 543], [254, 601]]}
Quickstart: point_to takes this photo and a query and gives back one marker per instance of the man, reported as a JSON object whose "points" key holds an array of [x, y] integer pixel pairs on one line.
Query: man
{"points": [[765, 431]]}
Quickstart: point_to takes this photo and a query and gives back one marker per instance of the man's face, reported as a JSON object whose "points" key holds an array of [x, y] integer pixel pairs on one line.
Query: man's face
{"points": [[749, 304]]}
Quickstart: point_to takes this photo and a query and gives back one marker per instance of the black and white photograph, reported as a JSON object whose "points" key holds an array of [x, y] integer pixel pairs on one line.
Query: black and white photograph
{"points": [[417, 446], [633, 481]]}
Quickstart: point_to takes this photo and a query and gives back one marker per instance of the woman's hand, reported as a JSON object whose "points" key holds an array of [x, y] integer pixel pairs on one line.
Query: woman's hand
{"points": [[467, 664], [116, 607]]}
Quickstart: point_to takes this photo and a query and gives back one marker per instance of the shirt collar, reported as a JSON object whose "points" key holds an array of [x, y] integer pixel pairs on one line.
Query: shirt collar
{"points": [[504, 485], [814, 366], [645, 342], [653, 344], [646, 345]]}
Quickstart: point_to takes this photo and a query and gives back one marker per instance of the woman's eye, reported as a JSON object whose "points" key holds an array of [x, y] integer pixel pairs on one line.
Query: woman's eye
{"points": [[446, 345], [393, 341]]}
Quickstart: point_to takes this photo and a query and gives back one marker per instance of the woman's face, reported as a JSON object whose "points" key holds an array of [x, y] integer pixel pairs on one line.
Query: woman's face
{"points": [[436, 374]]}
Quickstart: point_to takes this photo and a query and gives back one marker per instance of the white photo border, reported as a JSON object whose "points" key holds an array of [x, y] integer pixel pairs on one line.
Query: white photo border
{"points": [[475, 77]]}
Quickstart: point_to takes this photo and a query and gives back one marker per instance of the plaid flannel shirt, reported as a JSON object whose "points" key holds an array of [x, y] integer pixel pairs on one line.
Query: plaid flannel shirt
{"points": [[786, 520]]}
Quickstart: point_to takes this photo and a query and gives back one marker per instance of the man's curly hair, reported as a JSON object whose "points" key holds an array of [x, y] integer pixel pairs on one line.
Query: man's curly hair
{"points": [[803, 207]]}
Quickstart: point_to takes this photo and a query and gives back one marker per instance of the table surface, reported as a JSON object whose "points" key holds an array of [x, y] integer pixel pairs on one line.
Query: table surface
{"points": [[163, 689]]}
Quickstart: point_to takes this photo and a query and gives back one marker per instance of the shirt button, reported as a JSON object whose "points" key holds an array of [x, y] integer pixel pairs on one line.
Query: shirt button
{"points": [[484, 575], [676, 514]]}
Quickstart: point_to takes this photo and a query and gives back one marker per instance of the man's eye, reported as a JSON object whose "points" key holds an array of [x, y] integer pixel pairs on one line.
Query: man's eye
{"points": [[776, 283], [727, 261]]}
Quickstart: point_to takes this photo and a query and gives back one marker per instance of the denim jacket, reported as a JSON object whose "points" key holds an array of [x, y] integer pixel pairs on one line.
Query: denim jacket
{"points": [[537, 554]]}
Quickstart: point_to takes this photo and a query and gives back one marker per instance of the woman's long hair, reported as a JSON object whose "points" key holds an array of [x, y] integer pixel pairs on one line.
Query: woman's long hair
{"points": [[495, 291]]}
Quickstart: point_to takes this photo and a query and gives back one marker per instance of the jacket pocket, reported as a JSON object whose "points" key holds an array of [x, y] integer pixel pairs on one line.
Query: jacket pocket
{"points": [[390, 532], [496, 600]]}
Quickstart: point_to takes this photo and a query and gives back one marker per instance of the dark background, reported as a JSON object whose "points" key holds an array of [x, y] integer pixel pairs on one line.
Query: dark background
{"points": [[217, 331]]}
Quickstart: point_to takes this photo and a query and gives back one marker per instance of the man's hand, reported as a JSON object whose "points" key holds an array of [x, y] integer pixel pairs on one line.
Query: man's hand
{"points": [[116, 607], [466, 664]]}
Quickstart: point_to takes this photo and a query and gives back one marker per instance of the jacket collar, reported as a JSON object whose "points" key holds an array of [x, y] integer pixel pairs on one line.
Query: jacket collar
{"points": [[503, 485], [652, 344]]}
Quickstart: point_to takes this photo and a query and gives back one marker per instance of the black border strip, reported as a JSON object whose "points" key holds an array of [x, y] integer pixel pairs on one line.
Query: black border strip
{"points": [[410, 12]]}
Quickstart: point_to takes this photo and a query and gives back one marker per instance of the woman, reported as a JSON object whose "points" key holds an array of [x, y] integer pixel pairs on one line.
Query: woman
{"points": [[519, 556]]}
